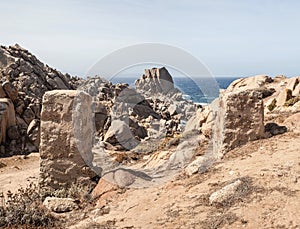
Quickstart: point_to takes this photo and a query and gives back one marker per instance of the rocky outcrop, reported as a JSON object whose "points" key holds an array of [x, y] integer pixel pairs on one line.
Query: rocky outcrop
{"points": [[241, 110], [130, 102], [24, 80], [118, 111], [284, 96], [237, 116], [239, 119], [125, 116], [156, 80], [279, 93], [157, 86], [66, 139], [253, 82], [198, 119]]}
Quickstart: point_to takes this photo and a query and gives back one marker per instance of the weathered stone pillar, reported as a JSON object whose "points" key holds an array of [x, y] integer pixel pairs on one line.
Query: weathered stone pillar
{"points": [[239, 119], [66, 139]]}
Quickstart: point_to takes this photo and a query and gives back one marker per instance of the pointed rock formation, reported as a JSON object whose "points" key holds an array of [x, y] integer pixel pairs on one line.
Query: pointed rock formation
{"points": [[156, 80]]}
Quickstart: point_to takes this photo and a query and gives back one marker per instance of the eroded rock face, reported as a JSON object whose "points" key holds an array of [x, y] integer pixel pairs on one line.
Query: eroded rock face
{"points": [[101, 116], [279, 93], [66, 139], [240, 119], [112, 104], [283, 97], [293, 123], [7, 119], [165, 99], [155, 80], [24, 80], [198, 119], [253, 82], [137, 113]]}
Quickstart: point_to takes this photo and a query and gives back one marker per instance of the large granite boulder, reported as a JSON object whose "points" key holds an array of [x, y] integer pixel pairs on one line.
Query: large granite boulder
{"points": [[120, 133], [230, 121], [156, 80], [66, 139], [253, 82], [130, 99], [239, 119]]}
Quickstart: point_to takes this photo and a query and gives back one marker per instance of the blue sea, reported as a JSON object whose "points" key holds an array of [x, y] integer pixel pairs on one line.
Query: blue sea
{"points": [[199, 90]]}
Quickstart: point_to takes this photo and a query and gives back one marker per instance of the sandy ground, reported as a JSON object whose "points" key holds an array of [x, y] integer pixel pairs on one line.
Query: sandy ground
{"points": [[18, 171], [271, 167]]}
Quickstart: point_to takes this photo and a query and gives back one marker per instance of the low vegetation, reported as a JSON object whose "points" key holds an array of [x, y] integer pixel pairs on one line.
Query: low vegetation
{"points": [[292, 101], [25, 209], [272, 105]]}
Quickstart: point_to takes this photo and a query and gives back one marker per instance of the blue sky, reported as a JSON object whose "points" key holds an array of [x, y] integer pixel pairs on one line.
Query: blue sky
{"points": [[232, 37]]}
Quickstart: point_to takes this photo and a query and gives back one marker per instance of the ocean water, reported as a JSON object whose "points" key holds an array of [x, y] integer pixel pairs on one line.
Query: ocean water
{"points": [[199, 90]]}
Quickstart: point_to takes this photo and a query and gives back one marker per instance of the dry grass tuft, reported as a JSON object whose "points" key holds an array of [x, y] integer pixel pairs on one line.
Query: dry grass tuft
{"points": [[24, 209], [217, 220]]}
